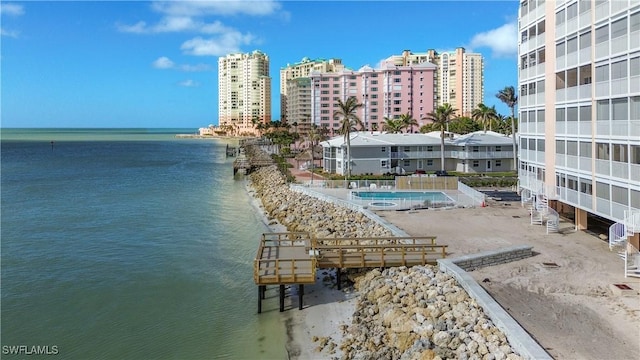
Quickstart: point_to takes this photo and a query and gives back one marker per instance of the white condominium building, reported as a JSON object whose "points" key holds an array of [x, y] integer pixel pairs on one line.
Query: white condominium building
{"points": [[579, 108], [244, 92], [459, 76]]}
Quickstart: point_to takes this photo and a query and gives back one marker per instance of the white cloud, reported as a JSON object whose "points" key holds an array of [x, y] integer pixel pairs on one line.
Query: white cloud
{"points": [[216, 7], [11, 9], [503, 41], [219, 46], [195, 68], [163, 63], [189, 83]]}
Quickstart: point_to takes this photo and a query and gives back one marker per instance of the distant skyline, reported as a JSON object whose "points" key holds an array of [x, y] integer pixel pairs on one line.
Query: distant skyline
{"points": [[153, 64]]}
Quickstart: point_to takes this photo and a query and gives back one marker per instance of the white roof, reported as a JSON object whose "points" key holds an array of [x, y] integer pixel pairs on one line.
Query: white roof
{"points": [[378, 138]]}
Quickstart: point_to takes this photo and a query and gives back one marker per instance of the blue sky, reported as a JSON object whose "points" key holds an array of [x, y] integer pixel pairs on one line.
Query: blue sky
{"points": [[154, 64]]}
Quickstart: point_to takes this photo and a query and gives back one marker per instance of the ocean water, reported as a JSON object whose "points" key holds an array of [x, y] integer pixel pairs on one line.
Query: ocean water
{"points": [[129, 244]]}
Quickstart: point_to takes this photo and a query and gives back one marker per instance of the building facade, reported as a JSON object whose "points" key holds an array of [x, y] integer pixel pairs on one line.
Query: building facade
{"points": [[579, 106], [459, 76], [244, 92], [388, 92], [380, 153], [298, 70], [299, 104]]}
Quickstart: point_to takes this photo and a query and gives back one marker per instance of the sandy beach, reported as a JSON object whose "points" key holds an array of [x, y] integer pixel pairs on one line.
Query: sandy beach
{"points": [[562, 296], [569, 309]]}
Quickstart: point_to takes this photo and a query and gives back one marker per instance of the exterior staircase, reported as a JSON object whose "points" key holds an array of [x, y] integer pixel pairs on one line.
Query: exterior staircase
{"points": [[542, 214], [618, 242]]}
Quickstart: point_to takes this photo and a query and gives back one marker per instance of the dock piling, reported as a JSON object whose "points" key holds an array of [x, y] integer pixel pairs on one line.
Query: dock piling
{"points": [[281, 298], [300, 295]]}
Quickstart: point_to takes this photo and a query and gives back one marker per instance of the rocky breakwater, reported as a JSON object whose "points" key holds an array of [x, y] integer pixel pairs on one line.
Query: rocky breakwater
{"points": [[419, 313], [304, 213]]}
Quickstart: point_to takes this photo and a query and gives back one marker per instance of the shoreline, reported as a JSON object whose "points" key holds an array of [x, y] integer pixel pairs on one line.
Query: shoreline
{"points": [[522, 287]]}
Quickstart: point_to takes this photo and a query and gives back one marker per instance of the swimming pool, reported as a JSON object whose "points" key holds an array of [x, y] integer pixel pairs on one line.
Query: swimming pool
{"points": [[433, 196]]}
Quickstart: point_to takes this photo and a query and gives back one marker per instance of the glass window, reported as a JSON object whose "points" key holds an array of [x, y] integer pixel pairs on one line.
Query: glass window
{"points": [[560, 80], [619, 152], [572, 11], [619, 194], [634, 154], [560, 114], [572, 77], [572, 113], [541, 56], [619, 109], [634, 22], [618, 28], [602, 73], [572, 148], [585, 40], [602, 110], [585, 149], [634, 66], [585, 186], [540, 117], [602, 34], [560, 147], [585, 74], [560, 17], [540, 145], [619, 70], [602, 190], [560, 49], [585, 113], [572, 45], [602, 151], [634, 108], [584, 5]]}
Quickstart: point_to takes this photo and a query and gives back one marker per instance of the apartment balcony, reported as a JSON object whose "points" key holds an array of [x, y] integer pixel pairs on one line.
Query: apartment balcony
{"points": [[619, 127], [618, 5], [572, 127], [561, 62], [603, 128], [619, 86], [560, 160], [635, 82], [585, 164], [585, 55], [620, 170], [602, 89], [584, 19], [634, 128], [634, 172], [602, 11], [572, 162], [619, 44], [482, 155], [602, 167], [571, 93], [572, 59], [602, 50], [584, 91]]}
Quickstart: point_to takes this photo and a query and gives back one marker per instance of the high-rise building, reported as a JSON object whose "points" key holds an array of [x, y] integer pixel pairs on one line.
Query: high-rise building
{"points": [[388, 92], [244, 92], [459, 76], [298, 70], [299, 104], [579, 109]]}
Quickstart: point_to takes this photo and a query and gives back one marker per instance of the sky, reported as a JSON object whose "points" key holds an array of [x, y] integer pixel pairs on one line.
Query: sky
{"points": [[153, 64]]}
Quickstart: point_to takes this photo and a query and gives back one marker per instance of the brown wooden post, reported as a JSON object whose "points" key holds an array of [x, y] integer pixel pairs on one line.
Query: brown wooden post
{"points": [[300, 295], [263, 290], [281, 298], [338, 280]]}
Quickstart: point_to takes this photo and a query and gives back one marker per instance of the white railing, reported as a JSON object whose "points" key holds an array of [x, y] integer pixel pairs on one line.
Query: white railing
{"points": [[553, 221], [477, 197], [632, 221], [617, 235]]}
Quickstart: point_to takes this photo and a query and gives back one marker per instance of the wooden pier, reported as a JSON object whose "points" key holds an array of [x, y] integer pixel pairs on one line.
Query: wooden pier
{"points": [[292, 258]]}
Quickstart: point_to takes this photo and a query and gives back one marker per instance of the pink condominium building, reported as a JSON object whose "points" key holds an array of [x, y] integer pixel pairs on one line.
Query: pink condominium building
{"points": [[579, 110], [387, 92]]}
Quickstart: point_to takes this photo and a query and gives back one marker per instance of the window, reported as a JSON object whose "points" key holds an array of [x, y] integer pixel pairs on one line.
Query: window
{"points": [[560, 80], [498, 148], [602, 73], [540, 116], [619, 70], [584, 5], [618, 28], [634, 65], [572, 11], [572, 77], [602, 151], [585, 113], [560, 17], [572, 113], [429, 162], [585, 74], [540, 146], [560, 49], [585, 186], [585, 149], [634, 22], [560, 147], [619, 194], [634, 154], [383, 164], [475, 148], [620, 152], [602, 190], [585, 40], [498, 163], [560, 114], [572, 148], [476, 163], [429, 148], [541, 56], [602, 110], [406, 163], [634, 108], [602, 34], [619, 109], [572, 45]]}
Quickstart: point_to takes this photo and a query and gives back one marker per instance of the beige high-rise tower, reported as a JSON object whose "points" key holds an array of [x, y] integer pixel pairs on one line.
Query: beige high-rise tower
{"points": [[459, 76], [244, 92], [298, 70]]}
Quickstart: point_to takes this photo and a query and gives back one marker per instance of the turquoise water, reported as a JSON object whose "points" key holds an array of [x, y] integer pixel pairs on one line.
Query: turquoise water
{"points": [[402, 195], [129, 244]]}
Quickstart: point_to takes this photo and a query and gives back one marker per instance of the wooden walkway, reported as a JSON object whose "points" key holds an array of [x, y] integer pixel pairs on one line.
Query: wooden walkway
{"points": [[292, 258]]}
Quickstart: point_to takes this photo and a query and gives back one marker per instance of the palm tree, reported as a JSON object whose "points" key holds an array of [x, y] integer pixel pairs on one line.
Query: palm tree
{"points": [[485, 115], [408, 122], [441, 117], [350, 121], [509, 97], [392, 125]]}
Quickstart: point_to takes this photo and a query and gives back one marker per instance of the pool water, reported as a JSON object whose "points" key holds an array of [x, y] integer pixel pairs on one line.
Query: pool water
{"points": [[434, 196]]}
